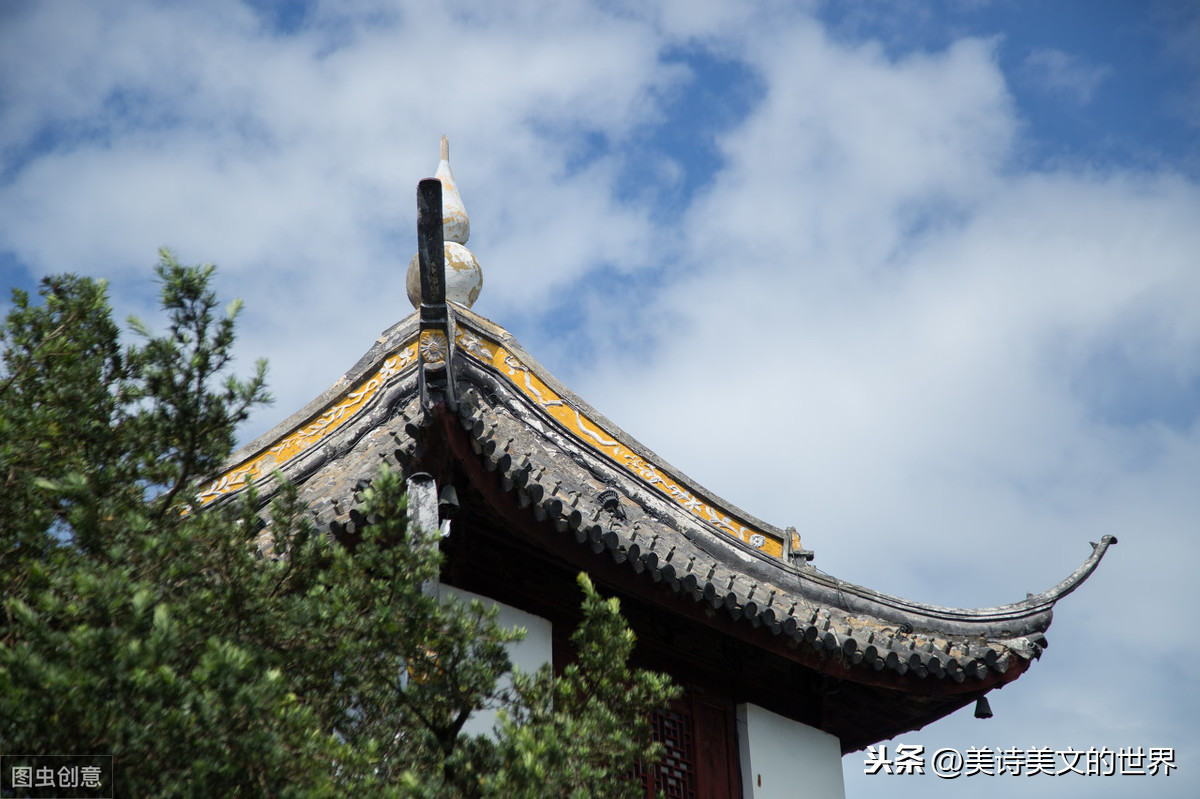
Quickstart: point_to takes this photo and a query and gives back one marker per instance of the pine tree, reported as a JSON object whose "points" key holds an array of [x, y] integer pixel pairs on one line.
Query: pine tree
{"points": [[209, 657]]}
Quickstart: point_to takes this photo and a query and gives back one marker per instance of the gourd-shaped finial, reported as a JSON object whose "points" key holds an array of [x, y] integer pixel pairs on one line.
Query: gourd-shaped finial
{"points": [[464, 277]]}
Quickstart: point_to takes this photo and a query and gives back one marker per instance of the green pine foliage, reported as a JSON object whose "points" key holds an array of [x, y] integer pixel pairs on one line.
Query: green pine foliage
{"points": [[576, 734], [210, 656]]}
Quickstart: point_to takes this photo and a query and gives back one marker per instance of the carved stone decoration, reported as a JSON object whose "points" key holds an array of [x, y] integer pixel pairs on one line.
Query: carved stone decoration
{"points": [[433, 346]]}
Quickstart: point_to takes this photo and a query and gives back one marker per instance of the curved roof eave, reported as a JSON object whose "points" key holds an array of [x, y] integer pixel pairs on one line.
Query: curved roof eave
{"points": [[496, 351], [576, 469]]}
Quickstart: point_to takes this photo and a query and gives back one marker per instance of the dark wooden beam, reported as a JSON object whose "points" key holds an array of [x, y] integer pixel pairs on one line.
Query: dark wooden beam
{"points": [[430, 246]]}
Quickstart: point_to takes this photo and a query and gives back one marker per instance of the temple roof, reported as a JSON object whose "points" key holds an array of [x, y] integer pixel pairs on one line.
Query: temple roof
{"points": [[448, 392]]}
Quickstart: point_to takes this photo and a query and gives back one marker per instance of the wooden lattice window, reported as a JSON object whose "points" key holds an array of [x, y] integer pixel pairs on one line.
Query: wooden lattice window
{"points": [[675, 774], [699, 762]]}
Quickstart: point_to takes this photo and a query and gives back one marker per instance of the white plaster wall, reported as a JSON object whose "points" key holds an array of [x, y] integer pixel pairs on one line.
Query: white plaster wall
{"points": [[784, 759], [528, 655]]}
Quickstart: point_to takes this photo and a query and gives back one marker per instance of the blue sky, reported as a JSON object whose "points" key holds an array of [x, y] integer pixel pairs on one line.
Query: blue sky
{"points": [[920, 279]]}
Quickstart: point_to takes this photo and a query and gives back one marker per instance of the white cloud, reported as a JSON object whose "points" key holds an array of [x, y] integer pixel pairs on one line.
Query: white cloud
{"points": [[911, 399], [289, 160]]}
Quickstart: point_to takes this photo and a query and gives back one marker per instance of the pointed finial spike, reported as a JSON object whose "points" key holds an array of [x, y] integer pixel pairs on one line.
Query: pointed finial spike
{"points": [[454, 213]]}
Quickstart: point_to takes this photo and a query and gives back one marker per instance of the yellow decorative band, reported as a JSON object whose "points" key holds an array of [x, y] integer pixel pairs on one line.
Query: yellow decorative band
{"points": [[595, 437], [432, 347], [300, 440]]}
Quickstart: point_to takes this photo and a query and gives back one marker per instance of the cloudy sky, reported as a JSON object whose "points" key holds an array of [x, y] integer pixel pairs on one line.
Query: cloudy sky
{"points": [[921, 279]]}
